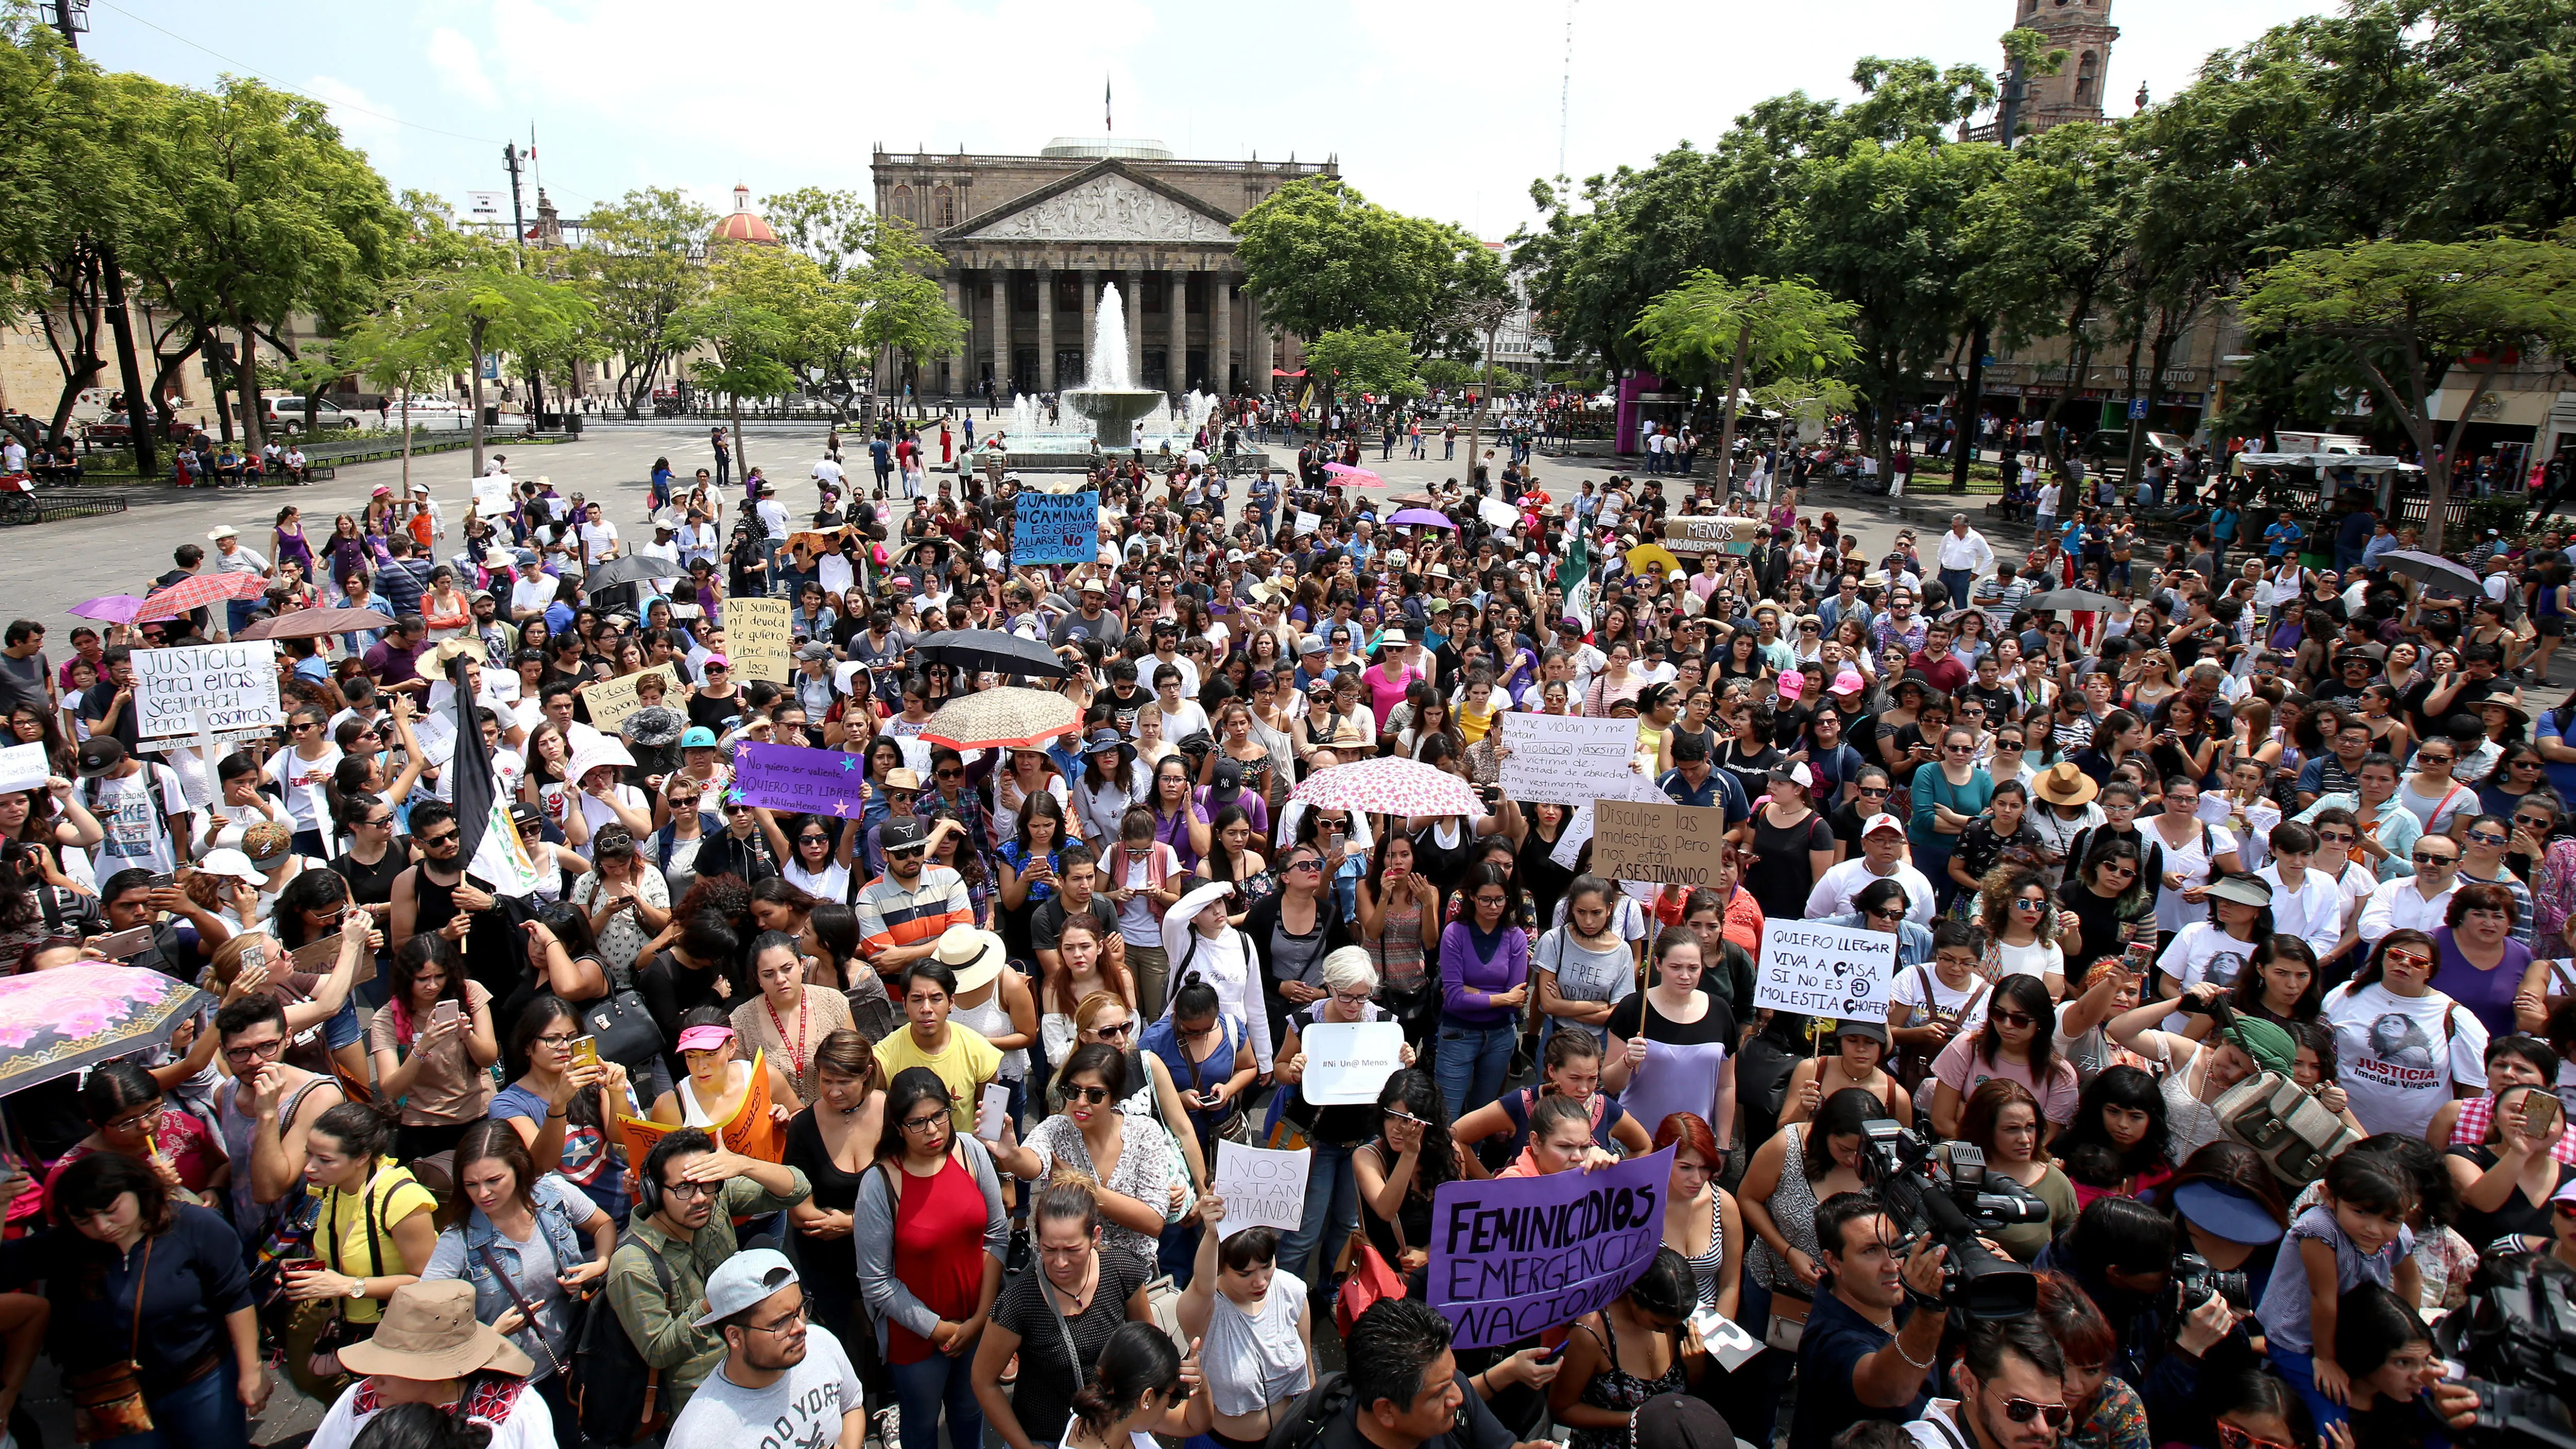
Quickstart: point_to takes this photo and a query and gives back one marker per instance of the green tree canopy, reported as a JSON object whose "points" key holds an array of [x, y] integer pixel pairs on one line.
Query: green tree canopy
{"points": [[1350, 360], [643, 264], [1323, 258]]}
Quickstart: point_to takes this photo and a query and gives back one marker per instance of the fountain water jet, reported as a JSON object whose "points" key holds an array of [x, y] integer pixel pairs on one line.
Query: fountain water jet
{"points": [[1109, 397]]}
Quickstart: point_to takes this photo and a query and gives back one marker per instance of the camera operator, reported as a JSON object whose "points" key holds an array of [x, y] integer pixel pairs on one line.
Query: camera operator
{"points": [[1869, 1345], [2012, 1392], [2121, 1253]]}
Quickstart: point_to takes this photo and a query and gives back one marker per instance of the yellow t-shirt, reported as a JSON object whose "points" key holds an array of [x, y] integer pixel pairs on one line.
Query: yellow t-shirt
{"points": [[1472, 726], [967, 1063], [340, 1237]]}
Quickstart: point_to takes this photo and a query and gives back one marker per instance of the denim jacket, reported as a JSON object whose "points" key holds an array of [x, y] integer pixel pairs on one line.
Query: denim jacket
{"points": [[1913, 942], [561, 1210]]}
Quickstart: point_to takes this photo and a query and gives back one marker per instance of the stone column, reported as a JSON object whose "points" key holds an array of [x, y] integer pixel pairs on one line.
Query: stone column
{"points": [[1256, 358], [1135, 305], [1177, 307], [997, 328], [1220, 333], [1090, 320], [1046, 327], [960, 301]]}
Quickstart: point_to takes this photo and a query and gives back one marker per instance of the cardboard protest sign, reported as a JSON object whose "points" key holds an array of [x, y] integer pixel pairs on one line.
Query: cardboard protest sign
{"points": [[1821, 970], [1560, 760], [792, 777], [1713, 535], [612, 700], [23, 767], [1261, 1187], [1347, 1061], [757, 639], [205, 687], [320, 956], [1498, 513], [1052, 528], [1511, 1257], [1657, 844], [748, 1131]]}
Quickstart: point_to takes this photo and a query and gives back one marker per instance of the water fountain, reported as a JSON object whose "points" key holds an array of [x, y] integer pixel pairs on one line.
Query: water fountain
{"points": [[1110, 397], [1105, 409]]}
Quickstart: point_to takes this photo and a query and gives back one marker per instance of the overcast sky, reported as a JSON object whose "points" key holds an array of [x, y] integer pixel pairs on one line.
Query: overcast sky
{"points": [[1426, 114]]}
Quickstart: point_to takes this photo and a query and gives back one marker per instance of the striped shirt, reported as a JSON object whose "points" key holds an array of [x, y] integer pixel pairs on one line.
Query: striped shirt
{"points": [[890, 916]]}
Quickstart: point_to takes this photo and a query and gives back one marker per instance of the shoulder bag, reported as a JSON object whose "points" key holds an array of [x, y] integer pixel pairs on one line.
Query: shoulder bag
{"points": [[107, 1402], [622, 1023]]}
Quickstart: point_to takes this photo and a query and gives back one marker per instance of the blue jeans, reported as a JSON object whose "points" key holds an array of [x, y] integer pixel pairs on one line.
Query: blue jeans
{"points": [[1332, 1189], [2301, 1370], [1959, 582], [1472, 1061], [920, 1391], [205, 1413]]}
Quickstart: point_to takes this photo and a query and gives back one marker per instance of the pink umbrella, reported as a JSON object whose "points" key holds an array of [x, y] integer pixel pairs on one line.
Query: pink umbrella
{"points": [[1355, 477], [54, 1023], [1390, 785], [109, 608], [197, 591]]}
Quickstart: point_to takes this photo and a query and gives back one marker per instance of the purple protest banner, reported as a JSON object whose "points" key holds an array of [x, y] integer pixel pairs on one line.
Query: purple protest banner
{"points": [[791, 777], [1513, 1257]]}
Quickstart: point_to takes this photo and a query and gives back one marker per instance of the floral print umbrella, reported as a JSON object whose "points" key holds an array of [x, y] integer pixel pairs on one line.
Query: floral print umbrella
{"points": [[1391, 785], [54, 1023], [1005, 718]]}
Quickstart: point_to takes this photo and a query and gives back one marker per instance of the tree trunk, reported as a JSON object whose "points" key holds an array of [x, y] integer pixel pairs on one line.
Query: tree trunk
{"points": [[474, 369], [247, 374], [218, 366], [1726, 415], [129, 369], [2437, 480], [2078, 368], [1972, 402]]}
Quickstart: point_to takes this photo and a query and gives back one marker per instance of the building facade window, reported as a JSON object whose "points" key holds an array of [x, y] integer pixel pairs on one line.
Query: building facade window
{"points": [[943, 207], [900, 203]]}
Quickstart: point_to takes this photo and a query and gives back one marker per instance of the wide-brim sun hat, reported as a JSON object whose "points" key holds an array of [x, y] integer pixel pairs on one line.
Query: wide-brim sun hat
{"points": [[429, 1333], [2065, 783], [976, 956]]}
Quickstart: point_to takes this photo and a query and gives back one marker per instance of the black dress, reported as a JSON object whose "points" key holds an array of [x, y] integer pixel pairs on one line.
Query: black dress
{"points": [[828, 1267], [1781, 878], [1545, 880]]}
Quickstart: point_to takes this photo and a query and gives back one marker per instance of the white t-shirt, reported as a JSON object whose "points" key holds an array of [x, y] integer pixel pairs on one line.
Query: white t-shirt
{"points": [[134, 838], [1909, 991], [801, 1409], [2393, 1063], [300, 782], [597, 814], [531, 1424], [2202, 952], [598, 542]]}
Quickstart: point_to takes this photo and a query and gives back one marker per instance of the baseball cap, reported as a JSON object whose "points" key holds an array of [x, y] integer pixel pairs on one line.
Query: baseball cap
{"points": [[1881, 823], [1847, 682], [704, 1037], [741, 1282], [2230, 1214], [1862, 1026], [902, 834], [1792, 685], [228, 862], [815, 650], [100, 754], [698, 737]]}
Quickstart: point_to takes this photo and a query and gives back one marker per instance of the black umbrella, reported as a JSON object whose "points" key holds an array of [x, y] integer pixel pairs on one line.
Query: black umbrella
{"points": [[2435, 571], [994, 650], [632, 569]]}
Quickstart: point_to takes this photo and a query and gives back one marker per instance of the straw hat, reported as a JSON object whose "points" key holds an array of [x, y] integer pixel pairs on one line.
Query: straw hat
{"points": [[429, 1333], [2065, 784], [975, 955]]}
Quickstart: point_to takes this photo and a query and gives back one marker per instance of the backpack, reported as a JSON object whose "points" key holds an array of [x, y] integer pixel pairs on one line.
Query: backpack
{"points": [[1301, 1422], [615, 1395]]}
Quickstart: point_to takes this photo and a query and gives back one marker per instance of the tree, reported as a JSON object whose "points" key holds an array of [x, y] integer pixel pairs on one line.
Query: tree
{"points": [[1351, 360], [762, 312], [2409, 312], [449, 319], [1322, 258], [251, 210], [1880, 227], [642, 266], [1709, 326]]}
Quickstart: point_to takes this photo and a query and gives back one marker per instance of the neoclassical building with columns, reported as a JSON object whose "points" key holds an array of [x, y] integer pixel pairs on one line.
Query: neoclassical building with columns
{"points": [[1029, 241]]}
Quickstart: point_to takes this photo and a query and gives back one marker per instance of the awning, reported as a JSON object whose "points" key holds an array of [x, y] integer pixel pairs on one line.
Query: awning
{"points": [[2357, 462], [1276, 372]]}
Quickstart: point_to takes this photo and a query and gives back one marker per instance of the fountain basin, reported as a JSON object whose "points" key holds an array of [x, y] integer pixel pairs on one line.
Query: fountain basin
{"points": [[1113, 411]]}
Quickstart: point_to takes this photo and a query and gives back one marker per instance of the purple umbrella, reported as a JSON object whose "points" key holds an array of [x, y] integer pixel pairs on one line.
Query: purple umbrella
{"points": [[1424, 518], [109, 608]]}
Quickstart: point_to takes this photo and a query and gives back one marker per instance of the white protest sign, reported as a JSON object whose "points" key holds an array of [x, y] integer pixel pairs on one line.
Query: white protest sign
{"points": [[1820, 970], [1304, 524], [436, 734], [492, 495], [1561, 760], [1347, 1061], [23, 767], [1498, 513], [1261, 1187], [205, 687]]}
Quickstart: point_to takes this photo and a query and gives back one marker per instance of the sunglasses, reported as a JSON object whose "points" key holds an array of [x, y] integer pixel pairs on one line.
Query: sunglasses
{"points": [[1091, 1095], [2231, 1437], [2012, 1018], [2426, 858], [2022, 1411], [2406, 958]]}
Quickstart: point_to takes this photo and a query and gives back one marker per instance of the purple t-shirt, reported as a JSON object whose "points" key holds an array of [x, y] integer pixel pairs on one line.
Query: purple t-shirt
{"points": [[2487, 994]]}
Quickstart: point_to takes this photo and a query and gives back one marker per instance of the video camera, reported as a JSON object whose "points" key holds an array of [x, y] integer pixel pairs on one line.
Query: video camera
{"points": [[1954, 1205], [2519, 1329], [2195, 1281]]}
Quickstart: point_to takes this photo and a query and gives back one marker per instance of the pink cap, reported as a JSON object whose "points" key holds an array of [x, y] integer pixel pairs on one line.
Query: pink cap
{"points": [[705, 1038], [1847, 682], [1792, 685], [718, 661]]}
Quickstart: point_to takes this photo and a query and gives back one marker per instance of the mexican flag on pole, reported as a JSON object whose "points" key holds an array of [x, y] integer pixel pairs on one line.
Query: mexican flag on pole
{"points": [[487, 842]]}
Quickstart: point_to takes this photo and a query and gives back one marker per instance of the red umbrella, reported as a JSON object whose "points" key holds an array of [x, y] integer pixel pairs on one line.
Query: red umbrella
{"points": [[196, 592]]}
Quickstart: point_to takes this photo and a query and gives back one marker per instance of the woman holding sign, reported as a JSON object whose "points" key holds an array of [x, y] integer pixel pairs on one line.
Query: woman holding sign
{"points": [[1333, 1133], [1256, 1326], [1669, 1045]]}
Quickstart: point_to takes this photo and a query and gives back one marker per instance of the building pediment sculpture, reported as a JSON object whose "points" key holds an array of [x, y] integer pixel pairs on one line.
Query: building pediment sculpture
{"points": [[1105, 208]]}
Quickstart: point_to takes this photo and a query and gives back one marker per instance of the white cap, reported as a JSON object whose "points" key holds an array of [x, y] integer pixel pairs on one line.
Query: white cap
{"points": [[228, 862], [1879, 822]]}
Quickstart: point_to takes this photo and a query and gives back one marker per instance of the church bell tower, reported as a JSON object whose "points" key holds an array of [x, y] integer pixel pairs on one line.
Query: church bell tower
{"points": [[2083, 29]]}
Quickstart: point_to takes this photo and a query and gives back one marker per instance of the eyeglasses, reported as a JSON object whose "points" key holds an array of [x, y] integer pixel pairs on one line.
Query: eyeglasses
{"points": [[138, 1120], [2027, 904], [447, 839], [2422, 758], [949, 774], [1079, 1094], [1302, 865], [2012, 1018], [919, 1125], [690, 1189], [2405, 958], [2337, 837], [2480, 837], [1888, 916], [2525, 764], [254, 1051], [1874, 792], [2231, 1437], [2007, 742], [2022, 1411]]}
